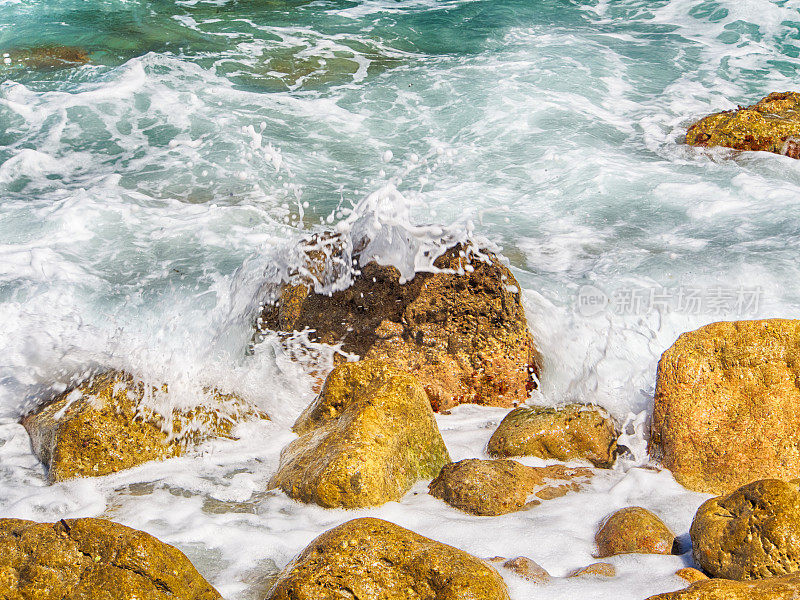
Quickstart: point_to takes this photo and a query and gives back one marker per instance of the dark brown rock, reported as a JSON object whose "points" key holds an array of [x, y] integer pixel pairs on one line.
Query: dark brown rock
{"points": [[371, 559], [461, 331], [634, 530], [93, 559], [496, 487]]}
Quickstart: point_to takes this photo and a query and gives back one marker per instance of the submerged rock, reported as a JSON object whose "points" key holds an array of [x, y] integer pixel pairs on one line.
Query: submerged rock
{"points": [[366, 439], [84, 559], [771, 125], [102, 426], [727, 405], [634, 530], [374, 559], [751, 533], [45, 57], [573, 432], [462, 331], [496, 487], [786, 587]]}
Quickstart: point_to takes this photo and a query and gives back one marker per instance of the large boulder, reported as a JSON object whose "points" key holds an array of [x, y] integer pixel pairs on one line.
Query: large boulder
{"points": [[461, 330], [496, 487], [93, 559], [751, 533], [784, 587], [102, 426], [366, 439], [727, 405], [371, 559], [634, 530], [574, 432], [771, 125]]}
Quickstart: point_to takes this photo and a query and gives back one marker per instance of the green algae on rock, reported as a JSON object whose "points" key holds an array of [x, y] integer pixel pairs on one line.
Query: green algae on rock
{"points": [[496, 487], [751, 533], [93, 559], [770, 125], [727, 405], [634, 530], [366, 439], [101, 427], [574, 432], [462, 330], [373, 559]]}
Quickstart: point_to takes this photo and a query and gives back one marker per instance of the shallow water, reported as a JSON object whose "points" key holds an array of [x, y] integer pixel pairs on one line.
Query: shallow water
{"points": [[148, 196]]}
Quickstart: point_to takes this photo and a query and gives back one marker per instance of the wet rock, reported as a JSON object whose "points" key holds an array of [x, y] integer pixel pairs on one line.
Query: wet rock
{"points": [[366, 439], [102, 426], [370, 558], [751, 533], [45, 57], [461, 331], [727, 405], [691, 575], [770, 125], [598, 569], [84, 559], [634, 530], [496, 487], [573, 432], [527, 569], [785, 587]]}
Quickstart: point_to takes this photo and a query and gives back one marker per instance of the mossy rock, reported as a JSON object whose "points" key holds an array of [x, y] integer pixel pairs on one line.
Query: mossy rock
{"points": [[751, 533], [576, 431], [496, 487], [727, 405], [102, 426], [373, 559], [93, 559], [366, 439], [770, 125]]}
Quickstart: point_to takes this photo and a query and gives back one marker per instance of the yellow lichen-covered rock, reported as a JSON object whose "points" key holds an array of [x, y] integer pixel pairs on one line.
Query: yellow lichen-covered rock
{"points": [[371, 559], [462, 330], [366, 439], [691, 574], [727, 405], [751, 533], [784, 587], [102, 427], [573, 432], [93, 559], [771, 125], [496, 487], [634, 530]]}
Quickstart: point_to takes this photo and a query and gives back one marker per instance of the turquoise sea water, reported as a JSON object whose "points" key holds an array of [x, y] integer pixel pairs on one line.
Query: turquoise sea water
{"points": [[147, 195]]}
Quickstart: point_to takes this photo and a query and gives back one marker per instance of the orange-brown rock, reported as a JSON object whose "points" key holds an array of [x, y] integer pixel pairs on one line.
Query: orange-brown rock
{"points": [[751, 533], [598, 569], [527, 569], [770, 125], [634, 530], [727, 405], [691, 575], [575, 431], [46, 57], [496, 487], [377, 560], [785, 587], [462, 330], [102, 426], [93, 559]]}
